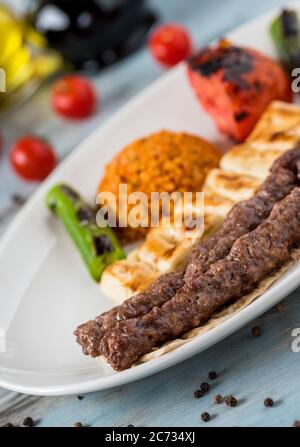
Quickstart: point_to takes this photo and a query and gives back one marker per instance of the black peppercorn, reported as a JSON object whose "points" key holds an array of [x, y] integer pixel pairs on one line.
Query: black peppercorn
{"points": [[256, 331], [278, 307], [212, 375], [198, 394], [18, 199], [268, 402], [218, 399], [28, 422], [231, 401], [204, 387], [205, 417]]}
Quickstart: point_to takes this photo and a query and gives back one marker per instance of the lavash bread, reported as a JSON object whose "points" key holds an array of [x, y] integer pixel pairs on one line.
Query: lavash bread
{"points": [[241, 171], [222, 315]]}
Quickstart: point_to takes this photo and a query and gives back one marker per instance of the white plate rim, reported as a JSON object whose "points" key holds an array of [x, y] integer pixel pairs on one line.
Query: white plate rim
{"points": [[271, 297]]}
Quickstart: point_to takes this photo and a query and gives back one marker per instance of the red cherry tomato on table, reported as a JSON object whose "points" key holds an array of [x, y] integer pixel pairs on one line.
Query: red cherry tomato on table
{"points": [[74, 97], [32, 158], [170, 44]]}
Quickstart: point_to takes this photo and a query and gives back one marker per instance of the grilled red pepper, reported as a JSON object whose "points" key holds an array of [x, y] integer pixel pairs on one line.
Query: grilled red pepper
{"points": [[235, 85]]}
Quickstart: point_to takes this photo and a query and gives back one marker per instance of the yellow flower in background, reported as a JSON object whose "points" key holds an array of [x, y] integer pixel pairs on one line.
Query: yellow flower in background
{"points": [[24, 55]]}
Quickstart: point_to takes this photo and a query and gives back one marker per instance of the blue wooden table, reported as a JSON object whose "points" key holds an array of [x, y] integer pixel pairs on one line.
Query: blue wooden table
{"points": [[249, 368]]}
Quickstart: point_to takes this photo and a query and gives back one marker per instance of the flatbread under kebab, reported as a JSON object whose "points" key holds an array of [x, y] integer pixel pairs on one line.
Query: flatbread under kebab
{"points": [[278, 130], [242, 219]]}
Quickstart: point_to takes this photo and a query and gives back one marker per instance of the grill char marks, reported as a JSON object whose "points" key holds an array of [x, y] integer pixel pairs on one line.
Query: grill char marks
{"points": [[233, 61], [247, 215], [242, 219], [90, 334]]}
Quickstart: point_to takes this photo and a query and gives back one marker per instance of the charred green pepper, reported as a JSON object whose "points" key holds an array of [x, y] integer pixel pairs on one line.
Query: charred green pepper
{"points": [[285, 32], [97, 245]]}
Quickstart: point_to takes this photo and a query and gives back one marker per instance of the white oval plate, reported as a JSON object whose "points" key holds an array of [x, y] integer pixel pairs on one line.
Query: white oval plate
{"points": [[45, 289]]}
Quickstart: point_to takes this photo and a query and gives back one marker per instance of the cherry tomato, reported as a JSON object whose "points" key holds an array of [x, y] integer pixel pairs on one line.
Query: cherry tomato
{"points": [[170, 44], [32, 158], [74, 97]]}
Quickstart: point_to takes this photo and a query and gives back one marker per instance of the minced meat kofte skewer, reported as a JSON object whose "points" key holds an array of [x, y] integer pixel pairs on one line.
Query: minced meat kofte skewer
{"points": [[248, 214], [244, 217], [251, 258], [89, 334]]}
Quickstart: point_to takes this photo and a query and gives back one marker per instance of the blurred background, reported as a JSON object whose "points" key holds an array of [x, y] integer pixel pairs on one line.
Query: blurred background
{"points": [[104, 41]]}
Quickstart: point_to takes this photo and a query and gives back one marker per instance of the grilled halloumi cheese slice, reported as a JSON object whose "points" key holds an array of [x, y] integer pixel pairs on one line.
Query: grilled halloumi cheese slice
{"points": [[277, 131], [241, 171], [165, 249], [229, 185], [125, 278], [278, 128], [246, 160]]}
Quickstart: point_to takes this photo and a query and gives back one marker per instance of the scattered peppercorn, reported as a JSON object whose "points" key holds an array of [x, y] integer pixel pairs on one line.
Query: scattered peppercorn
{"points": [[256, 331], [198, 394], [212, 375], [28, 422], [204, 387], [231, 401], [218, 399], [278, 307], [205, 417], [78, 424], [297, 424], [268, 402], [7, 424], [80, 397]]}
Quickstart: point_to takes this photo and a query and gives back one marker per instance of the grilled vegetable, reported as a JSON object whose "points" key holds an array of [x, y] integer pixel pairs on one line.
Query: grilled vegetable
{"points": [[98, 246], [235, 85], [285, 32]]}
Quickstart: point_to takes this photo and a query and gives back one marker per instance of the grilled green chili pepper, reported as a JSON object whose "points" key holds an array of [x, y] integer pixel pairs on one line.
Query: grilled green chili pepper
{"points": [[285, 32], [98, 245]]}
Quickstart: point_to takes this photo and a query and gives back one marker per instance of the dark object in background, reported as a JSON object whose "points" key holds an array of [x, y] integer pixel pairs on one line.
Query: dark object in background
{"points": [[91, 34]]}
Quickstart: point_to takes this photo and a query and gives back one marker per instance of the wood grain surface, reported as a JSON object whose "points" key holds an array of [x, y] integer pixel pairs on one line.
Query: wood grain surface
{"points": [[250, 368]]}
